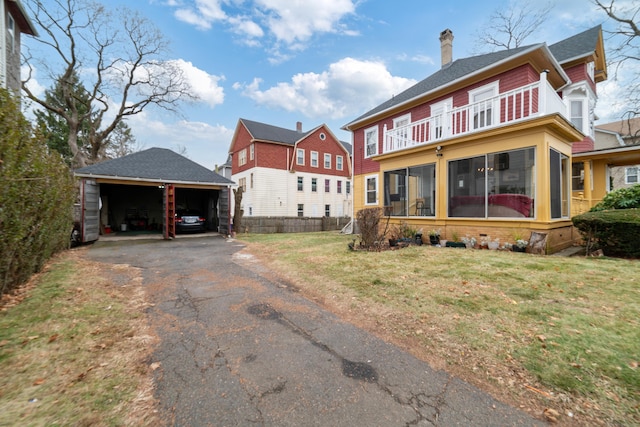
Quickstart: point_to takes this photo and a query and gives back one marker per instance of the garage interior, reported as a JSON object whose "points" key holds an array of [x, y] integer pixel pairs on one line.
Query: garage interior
{"points": [[139, 209]]}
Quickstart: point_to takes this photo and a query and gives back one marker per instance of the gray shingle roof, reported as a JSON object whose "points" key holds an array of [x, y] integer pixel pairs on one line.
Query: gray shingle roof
{"points": [[157, 164], [577, 46], [271, 133]]}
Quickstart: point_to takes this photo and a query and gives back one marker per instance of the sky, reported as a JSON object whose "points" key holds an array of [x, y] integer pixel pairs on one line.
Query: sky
{"points": [[316, 61]]}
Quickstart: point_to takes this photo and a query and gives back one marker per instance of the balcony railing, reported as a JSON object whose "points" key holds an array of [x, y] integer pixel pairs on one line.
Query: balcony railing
{"points": [[507, 108]]}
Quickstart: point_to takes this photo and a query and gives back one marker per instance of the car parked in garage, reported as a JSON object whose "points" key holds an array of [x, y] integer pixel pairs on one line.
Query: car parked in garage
{"points": [[187, 220]]}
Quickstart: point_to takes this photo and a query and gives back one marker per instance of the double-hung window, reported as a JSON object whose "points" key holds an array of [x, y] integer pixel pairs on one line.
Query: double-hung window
{"points": [[314, 185], [242, 157], [314, 159], [327, 161], [300, 183], [631, 175], [339, 163], [371, 190], [371, 141], [439, 122], [485, 109], [300, 156]]}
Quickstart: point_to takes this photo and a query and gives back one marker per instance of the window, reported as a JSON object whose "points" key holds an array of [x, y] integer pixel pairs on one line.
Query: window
{"points": [[314, 184], [327, 185], [577, 176], [242, 183], [371, 142], [323, 136], [484, 105], [493, 185], [327, 210], [339, 163], [577, 116], [300, 209], [438, 118], [242, 157], [251, 181], [402, 124], [327, 161], [339, 187], [300, 184], [251, 152], [559, 169], [410, 191], [300, 156], [11, 30], [348, 189], [314, 159], [631, 175], [371, 190]]}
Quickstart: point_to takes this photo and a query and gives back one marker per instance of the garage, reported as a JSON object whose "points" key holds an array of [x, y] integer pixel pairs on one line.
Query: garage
{"points": [[142, 193]]}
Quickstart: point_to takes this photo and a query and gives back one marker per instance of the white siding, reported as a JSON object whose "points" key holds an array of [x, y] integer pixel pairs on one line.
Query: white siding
{"points": [[275, 193]]}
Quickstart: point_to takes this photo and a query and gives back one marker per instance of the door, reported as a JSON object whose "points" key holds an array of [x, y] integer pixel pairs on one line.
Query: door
{"points": [[169, 226], [90, 210]]}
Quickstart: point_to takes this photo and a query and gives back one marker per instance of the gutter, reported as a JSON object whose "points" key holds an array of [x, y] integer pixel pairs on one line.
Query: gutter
{"points": [[154, 180]]}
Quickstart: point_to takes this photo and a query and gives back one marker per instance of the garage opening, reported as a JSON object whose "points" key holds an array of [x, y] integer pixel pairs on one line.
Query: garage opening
{"points": [[139, 209]]}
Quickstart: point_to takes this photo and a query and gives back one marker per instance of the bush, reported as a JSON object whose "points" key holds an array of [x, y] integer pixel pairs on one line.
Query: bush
{"points": [[36, 198], [622, 198], [369, 225], [616, 232]]}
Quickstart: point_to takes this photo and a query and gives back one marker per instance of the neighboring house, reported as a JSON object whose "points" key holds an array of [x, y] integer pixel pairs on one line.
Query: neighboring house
{"points": [[616, 135], [13, 24], [225, 169], [291, 173], [144, 190], [484, 145]]}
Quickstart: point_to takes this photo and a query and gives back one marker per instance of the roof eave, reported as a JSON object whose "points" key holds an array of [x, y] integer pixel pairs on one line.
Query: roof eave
{"points": [[153, 180]]}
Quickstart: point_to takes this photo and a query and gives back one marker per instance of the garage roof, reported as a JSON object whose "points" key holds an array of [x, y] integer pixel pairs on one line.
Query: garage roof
{"points": [[156, 165]]}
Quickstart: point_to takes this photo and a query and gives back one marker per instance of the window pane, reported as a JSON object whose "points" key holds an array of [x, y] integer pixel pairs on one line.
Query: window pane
{"points": [[395, 192], [511, 179], [467, 188], [558, 169], [421, 190], [577, 176], [372, 190]]}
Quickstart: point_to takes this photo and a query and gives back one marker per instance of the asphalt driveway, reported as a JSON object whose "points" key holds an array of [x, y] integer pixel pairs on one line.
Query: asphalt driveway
{"points": [[241, 348]]}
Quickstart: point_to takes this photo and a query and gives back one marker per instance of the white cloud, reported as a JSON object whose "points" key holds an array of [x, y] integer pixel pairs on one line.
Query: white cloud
{"points": [[348, 87], [204, 85], [202, 15]]}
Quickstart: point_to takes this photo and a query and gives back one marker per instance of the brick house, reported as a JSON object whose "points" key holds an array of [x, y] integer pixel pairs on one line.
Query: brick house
{"points": [[13, 24], [291, 173], [484, 145]]}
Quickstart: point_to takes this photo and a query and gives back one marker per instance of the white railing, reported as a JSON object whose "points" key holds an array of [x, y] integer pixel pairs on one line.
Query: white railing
{"points": [[507, 108]]}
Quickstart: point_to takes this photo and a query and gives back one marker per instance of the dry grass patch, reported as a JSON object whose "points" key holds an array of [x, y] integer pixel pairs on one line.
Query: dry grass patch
{"points": [[538, 331], [74, 350]]}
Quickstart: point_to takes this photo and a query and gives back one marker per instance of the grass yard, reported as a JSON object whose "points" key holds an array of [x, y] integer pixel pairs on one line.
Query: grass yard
{"points": [[73, 349], [542, 332]]}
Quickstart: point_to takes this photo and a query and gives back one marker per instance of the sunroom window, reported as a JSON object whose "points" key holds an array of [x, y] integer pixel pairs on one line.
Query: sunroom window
{"points": [[410, 191], [494, 185]]}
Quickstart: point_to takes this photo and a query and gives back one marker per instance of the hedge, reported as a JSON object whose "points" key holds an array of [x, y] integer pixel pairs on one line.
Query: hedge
{"points": [[616, 231], [36, 198]]}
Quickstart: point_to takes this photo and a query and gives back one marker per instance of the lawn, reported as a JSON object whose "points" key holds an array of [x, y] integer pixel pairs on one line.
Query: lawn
{"points": [[539, 331]]}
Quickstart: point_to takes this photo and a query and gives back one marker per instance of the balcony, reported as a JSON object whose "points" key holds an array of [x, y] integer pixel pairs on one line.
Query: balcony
{"points": [[507, 108]]}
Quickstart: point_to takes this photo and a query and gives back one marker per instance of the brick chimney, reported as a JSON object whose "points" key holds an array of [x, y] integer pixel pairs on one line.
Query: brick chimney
{"points": [[446, 47], [299, 127]]}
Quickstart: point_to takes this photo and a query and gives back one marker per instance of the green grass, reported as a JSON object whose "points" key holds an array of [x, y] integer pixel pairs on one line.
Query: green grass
{"points": [[571, 324]]}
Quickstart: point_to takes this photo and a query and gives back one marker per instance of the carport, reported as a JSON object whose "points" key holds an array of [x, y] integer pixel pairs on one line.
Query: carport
{"points": [[141, 192]]}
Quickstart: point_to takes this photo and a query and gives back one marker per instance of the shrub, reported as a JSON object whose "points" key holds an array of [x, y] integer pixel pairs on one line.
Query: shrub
{"points": [[369, 225], [622, 198], [36, 198], [616, 232]]}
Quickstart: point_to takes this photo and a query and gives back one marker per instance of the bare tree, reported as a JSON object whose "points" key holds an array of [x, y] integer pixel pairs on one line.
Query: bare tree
{"points": [[624, 51], [120, 57], [509, 28]]}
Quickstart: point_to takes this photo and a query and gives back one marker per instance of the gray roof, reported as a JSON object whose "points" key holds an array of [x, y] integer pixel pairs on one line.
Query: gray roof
{"points": [[573, 47], [156, 164], [265, 132], [271, 133], [577, 46]]}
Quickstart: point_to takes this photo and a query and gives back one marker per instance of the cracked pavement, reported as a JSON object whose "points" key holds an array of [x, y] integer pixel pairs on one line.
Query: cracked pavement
{"points": [[240, 348]]}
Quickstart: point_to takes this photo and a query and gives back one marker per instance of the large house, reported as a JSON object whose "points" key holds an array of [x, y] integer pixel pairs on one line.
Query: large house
{"points": [[14, 22], [291, 173], [484, 146]]}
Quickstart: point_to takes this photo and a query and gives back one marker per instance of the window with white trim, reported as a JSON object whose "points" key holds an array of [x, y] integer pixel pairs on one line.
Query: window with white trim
{"points": [[371, 142], [300, 183], [485, 109], [339, 163], [314, 159], [631, 175], [402, 122], [371, 190], [339, 187], [438, 118], [251, 152], [11, 30], [314, 185], [242, 157], [300, 156], [577, 114], [327, 185], [327, 161]]}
